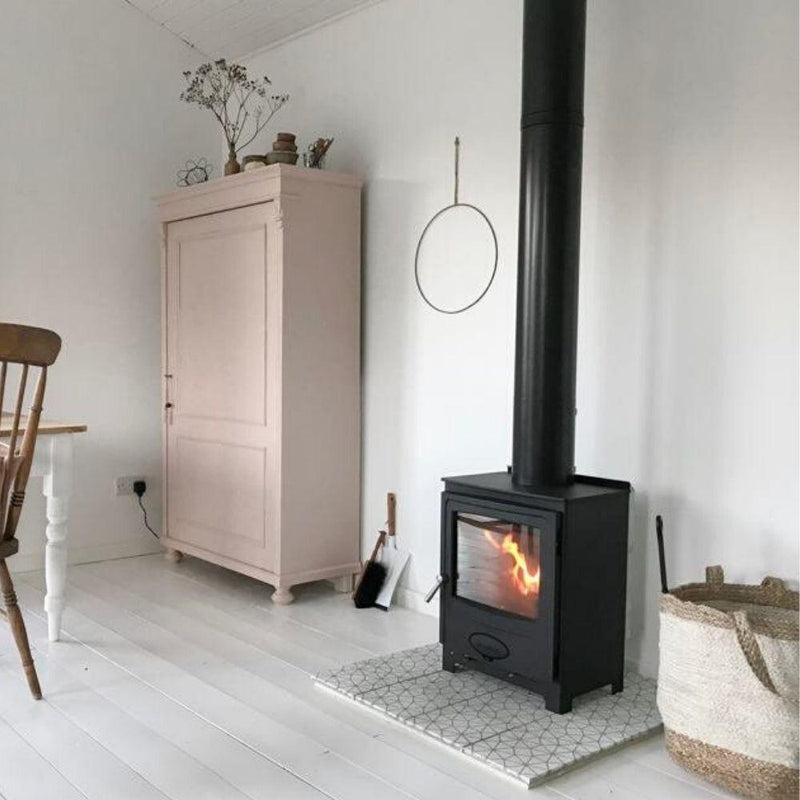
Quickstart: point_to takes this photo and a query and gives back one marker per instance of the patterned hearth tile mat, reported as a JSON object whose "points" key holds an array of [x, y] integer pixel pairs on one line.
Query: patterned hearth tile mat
{"points": [[501, 725]]}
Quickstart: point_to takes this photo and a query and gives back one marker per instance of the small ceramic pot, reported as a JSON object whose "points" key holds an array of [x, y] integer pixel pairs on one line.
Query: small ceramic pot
{"points": [[253, 162]]}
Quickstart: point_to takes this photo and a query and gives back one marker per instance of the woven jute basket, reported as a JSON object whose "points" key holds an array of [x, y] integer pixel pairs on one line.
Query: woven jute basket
{"points": [[728, 683]]}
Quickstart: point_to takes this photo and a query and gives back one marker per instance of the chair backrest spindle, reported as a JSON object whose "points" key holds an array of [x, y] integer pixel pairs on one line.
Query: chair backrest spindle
{"points": [[18, 408], [3, 370]]}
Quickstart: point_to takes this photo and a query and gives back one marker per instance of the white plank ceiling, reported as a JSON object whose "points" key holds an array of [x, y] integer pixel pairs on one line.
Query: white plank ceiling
{"points": [[235, 28]]}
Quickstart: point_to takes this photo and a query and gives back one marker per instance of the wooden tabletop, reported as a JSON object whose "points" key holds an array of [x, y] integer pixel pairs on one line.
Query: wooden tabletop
{"points": [[47, 427]]}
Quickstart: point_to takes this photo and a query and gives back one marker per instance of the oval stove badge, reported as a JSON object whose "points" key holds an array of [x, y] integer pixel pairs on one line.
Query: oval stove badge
{"points": [[489, 647]]}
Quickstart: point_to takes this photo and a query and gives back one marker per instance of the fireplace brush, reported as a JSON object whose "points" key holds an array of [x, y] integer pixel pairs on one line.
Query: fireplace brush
{"points": [[372, 577]]}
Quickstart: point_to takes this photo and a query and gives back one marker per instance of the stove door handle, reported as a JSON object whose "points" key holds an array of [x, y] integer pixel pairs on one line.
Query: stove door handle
{"points": [[440, 581]]}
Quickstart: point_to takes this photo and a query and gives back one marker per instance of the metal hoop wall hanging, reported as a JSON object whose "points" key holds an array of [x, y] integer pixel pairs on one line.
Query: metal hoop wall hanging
{"points": [[438, 215]]}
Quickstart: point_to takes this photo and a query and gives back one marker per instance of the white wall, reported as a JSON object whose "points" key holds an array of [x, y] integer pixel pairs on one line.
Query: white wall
{"points": [[688, 363], [91, 128]]}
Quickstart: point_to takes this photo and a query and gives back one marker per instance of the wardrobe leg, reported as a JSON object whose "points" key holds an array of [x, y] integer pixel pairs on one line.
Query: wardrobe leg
{"points": [[282, 596]]}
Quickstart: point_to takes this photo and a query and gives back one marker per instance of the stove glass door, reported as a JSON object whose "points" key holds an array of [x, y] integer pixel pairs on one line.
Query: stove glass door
{"points": [[498, 564]]}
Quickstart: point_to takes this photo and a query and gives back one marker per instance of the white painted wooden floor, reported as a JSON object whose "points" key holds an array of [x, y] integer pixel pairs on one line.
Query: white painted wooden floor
{"points": [[185, 682]]}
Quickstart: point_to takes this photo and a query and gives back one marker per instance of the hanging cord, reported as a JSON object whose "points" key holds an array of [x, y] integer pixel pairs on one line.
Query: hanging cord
{"points": [[144, 513], [457, 145]]}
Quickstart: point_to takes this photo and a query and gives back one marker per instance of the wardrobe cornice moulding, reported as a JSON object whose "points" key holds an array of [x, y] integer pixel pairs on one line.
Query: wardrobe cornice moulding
{"points": [[246, 188]]}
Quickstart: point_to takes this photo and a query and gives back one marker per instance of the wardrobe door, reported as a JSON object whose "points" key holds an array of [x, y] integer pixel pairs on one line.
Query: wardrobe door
{"points": [[220, 458]]}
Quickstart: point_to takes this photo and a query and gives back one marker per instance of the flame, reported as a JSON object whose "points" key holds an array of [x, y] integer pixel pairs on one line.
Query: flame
{"points": [[525, 583]]}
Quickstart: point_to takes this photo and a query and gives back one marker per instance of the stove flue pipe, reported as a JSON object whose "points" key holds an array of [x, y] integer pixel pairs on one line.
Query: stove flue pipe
{"points": [[549, 242]]}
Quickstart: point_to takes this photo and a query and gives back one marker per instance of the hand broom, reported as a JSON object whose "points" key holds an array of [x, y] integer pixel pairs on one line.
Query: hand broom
{"points": [[372, 577]]}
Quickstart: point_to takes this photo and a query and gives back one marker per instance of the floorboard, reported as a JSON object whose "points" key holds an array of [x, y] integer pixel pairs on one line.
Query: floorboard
{"points": [[280, 692], [305, 648], [186, 681], [169, 771], [245, 712], [26, 774], [252, 775], [90, 767]]}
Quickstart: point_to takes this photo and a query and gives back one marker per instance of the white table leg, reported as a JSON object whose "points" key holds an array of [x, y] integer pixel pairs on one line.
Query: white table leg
{"points": [[57, 489]]}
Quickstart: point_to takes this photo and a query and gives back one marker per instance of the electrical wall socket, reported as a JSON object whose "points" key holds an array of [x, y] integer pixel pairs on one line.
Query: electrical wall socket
{"points": [[124, 485]]}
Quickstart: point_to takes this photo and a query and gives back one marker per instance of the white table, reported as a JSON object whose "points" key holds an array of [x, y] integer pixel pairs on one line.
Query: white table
{"points": [[52, 460]]}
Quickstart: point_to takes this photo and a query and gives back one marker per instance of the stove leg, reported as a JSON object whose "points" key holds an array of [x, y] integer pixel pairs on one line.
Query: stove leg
{"points": [[617, 685], [448, 662], [558, 701]]}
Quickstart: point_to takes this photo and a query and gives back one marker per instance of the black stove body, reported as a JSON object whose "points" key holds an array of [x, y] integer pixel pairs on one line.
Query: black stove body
{"points": [[534, 583], [534, 560]]}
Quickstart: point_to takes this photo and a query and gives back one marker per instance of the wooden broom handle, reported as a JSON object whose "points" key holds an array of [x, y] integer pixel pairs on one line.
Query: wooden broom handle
{"points": [[378, 545], [391, 513]]}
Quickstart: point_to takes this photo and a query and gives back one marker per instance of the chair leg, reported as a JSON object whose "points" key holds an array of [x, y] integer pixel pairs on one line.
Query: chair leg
{"points": [[18, 630]]}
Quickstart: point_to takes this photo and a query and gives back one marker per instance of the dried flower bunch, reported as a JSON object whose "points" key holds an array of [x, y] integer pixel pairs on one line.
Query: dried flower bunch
{"points": [[238, 103]]}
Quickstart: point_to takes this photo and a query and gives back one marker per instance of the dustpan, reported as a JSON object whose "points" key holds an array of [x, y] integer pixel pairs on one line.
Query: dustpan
{"points": [[393, 558]]}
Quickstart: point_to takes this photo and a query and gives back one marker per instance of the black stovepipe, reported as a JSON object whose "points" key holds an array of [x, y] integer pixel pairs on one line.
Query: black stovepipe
{"points": [[549, 242]]}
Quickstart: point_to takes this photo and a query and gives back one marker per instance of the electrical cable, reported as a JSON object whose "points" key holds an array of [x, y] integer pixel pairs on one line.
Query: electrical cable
{"points": [[144, 512]]}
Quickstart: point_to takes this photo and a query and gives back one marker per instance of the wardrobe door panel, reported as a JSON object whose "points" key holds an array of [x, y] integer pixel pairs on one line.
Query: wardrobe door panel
{"points": [[218, 435], [220, 329], [218, 496]]}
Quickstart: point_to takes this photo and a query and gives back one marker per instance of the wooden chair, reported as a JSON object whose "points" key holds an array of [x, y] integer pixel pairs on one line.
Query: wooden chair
{"points": [[31, 348]]}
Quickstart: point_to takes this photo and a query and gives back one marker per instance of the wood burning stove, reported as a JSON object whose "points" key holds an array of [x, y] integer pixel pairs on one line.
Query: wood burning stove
{"points": [[534, 560], [533, 583]]}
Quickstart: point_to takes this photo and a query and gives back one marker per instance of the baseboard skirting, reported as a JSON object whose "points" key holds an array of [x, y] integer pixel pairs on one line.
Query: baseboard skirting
{"points": [[415, 601], [84, 554]]}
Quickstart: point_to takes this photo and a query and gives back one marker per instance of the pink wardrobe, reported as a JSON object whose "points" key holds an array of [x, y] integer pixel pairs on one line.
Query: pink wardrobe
{"points": [[261, 353]]}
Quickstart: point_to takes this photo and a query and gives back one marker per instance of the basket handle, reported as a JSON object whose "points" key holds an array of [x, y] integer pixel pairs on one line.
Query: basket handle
{"points": [[775, 589], [752, 651]]}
